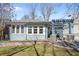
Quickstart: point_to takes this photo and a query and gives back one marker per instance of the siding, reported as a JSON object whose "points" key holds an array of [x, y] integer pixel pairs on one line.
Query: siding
{"points": [[17, 36], [26, 36], [35, 37]]}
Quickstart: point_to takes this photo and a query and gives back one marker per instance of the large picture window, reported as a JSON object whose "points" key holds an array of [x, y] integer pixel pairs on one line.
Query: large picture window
{"points": [[41, 29], [13, 29], [22, 29], [35, 29], [29, 29], [17, 30]]}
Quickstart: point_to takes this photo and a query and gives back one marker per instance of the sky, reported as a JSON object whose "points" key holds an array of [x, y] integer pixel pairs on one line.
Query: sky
{"points": [[22, 9]]}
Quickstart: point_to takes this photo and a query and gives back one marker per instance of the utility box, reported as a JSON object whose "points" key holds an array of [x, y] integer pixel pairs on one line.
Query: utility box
{"points": [[70, 38], [53, 38]]}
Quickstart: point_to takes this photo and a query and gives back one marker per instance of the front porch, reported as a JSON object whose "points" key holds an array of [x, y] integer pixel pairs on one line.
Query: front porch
{"points": [[29, 31]]}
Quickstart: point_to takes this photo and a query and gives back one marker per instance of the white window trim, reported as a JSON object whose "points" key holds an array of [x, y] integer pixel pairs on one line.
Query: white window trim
{"points": [[35, 28], [28, 29], [21, 29], [41, 28]]}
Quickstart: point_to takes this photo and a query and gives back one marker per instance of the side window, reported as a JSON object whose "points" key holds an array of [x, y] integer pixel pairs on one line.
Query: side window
{"points": [[40, 29], [22, 29], [29, 29], [17, 29], [35, 29]]}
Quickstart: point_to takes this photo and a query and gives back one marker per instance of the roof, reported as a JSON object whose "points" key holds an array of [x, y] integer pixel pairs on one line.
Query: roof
{"points": [[63, 20], [32, 22], [28, 20]]}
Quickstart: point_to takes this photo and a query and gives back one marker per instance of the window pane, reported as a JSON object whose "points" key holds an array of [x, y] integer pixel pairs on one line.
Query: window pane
{"points": [[22, 29], [17, 30], [35, 31], [29, 31], [35, 26], [41, 31], [40, 26], [13, 29], [29, 26]]}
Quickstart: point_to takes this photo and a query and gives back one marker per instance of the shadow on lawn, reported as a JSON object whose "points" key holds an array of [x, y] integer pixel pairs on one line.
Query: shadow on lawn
{"points": [[65, 44], [53, 50], [10, 54], [44, 51], [35, 48]]}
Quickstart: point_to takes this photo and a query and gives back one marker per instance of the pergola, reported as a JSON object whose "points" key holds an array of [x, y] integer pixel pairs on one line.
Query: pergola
{"points": [[58, 25]]}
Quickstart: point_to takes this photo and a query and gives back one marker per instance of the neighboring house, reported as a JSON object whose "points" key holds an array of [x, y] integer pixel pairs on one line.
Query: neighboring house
{"points": [[28, 30], [76, 29], [62, 27]]}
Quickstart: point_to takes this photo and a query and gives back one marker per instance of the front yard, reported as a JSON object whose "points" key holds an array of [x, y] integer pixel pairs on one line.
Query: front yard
{"points": [[43, 49]]}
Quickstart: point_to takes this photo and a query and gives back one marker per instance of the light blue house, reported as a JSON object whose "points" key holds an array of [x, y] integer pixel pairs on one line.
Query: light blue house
{"points": [[28, 30]]}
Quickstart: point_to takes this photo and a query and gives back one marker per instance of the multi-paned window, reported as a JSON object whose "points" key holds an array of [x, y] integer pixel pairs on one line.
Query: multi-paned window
{"points": [[17, 29], [22, 29], [29, 29], [35, 29], [40, 29], [13, 29]]}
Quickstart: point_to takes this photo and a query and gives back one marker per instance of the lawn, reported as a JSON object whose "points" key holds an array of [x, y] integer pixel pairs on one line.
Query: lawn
{"points": [[43, 49]]}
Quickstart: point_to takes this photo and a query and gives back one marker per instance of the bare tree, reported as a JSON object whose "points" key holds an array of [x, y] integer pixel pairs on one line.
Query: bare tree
{"points": [[25, 17], [72, 10], [33, 12], [76, 11], [5, 16], [46, 10]]}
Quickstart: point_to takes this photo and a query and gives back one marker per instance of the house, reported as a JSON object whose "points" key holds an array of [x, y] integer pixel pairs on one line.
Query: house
{"points": [[28, 30], [62, 27], [41, 30], [76, 29]]}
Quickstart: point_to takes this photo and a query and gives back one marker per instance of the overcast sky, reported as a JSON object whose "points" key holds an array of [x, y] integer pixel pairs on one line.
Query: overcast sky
{"points": [[24, 8]]}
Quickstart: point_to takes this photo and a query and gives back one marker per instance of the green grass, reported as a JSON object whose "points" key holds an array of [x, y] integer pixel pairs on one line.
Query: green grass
{"points": [[75, 53], [27, 52], [42, 49], [11, 50]]}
